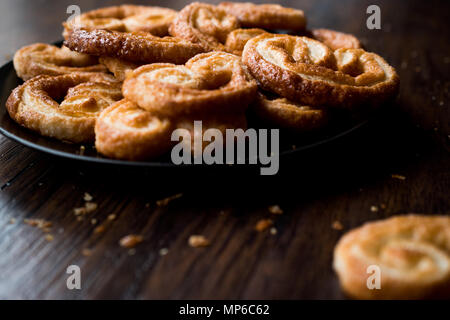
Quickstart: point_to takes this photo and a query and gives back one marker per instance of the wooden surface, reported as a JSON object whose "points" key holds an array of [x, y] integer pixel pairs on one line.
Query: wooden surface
{"points": [[340, 182]]}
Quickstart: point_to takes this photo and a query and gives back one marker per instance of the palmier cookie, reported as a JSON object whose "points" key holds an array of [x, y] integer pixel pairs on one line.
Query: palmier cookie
{"points": [[43, 59], [335, 39], [288, 115], [125, 18], [132, 46], [208, 83], [119, 68], [266, 16], [204, 24], [308, 72], [34, 104], [125, 131], [237, 39], [411, 253]]}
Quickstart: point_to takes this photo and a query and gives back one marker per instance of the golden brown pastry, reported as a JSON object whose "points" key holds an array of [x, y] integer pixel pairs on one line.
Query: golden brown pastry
{"points": [[335, 39], [118, 67], [237, 39], [34, 104], [289, 115], [412, 253], [266, 16], [221, 122], [125, 131], [204, 24], [132, 46], [125, 18], [308, 72], [43, 59], [208, 83]]}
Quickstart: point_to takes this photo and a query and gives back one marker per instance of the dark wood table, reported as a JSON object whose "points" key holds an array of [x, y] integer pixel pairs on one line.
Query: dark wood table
{"points": [[349, 181]]}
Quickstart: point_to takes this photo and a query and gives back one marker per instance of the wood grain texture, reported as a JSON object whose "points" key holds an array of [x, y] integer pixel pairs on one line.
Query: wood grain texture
{"points": [[340, 182]]}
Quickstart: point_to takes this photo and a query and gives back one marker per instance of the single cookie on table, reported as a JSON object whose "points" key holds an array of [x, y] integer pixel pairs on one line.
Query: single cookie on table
{"points": [[308, 72], [139, 47], [43, 59], [204, 24], [266, 16], [125, 18], [214, 82], [237, 39], [125, 131], [335, 39], [411, 252], [287, 114], [84, 95]]}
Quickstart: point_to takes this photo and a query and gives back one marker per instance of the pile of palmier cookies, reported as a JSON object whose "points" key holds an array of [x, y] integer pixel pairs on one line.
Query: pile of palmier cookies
{"points": [[127, 76]]}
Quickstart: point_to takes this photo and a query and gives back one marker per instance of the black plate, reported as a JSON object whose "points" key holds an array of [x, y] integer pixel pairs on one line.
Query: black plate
{"points": [[9, 81]]}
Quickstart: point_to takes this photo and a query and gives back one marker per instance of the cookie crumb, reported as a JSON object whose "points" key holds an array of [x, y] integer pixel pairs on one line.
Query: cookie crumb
{"points": [[166, 201], [93, 221], [163, 251], [374, 208], [87, 197], [263, 224], [79, 211], [49, 237], [82, 150], [38, 223], [398, 176], [91, 207], [273, 231], [198, 241], [337, 225], [99, 229], [112, 217], [275, 210], [86, 252], [130, 241], [88, 208]]}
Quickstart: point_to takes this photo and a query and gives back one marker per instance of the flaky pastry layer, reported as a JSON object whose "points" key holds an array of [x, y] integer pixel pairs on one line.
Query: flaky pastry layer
{"points": [[43, 59], [125, 131], [306, 71], [124, 18], [132, 46], [208, 83], [204, 24], [335, 39], [84, 95], [237, 39], [283, 113], [266, 16]]}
